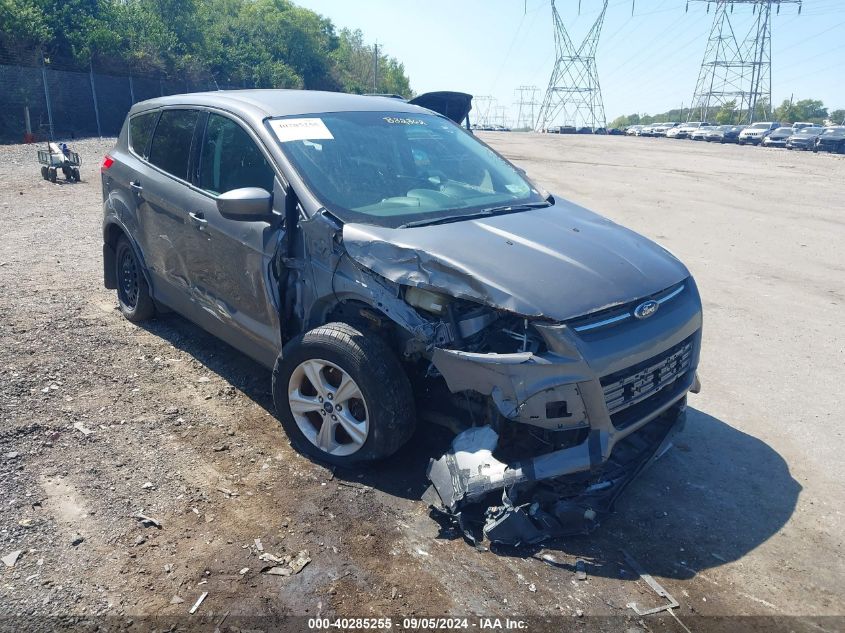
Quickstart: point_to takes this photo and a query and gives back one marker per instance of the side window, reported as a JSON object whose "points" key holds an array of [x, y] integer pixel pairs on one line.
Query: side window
{"points": [[229, 159], [140, 131], [172, 141]]}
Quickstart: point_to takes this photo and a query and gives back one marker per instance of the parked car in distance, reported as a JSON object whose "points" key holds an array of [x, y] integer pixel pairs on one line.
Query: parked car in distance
{"points": [[661, 128], [724, 134], [632, 130], [561, 129], [674, 132], [685, 129], [647, 130], [700, 133], [804, 139], [756, 132], [778, 137], [615, 131], [325, 235], [831, 140]]}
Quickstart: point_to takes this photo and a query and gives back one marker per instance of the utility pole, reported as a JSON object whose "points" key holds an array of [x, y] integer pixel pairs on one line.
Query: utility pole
{"points": [[574, 93], [375, 67], [737, 63]]}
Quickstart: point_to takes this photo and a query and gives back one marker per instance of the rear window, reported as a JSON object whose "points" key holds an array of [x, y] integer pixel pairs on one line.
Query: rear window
{"points": [[171, 145], [140, 130]]}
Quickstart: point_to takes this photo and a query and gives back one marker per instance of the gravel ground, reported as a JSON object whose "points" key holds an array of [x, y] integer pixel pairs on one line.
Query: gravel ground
{"points": [[102, 420]]}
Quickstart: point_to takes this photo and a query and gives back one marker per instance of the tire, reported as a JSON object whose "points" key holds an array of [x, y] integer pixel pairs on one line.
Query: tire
{"points": [[44, 173], [133, 292], [76, 175], [379, 415], [52, 174]]}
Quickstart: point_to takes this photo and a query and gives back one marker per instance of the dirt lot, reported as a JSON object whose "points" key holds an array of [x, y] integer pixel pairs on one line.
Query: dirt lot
{"points": [[101, 420]]}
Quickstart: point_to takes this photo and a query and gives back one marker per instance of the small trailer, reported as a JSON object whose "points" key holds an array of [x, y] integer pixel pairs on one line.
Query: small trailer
{"points": [[57, 157]]}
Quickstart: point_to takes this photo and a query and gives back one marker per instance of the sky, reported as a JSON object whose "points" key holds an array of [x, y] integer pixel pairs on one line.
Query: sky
{"points": [[647, 62]]}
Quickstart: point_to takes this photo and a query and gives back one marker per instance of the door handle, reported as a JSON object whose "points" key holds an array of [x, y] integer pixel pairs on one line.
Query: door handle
{"points": [[136, 186], [198, 219]]}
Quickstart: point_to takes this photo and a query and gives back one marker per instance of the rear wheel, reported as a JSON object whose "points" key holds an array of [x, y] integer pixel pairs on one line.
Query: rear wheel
{"points": [[52, 174], [342, 395], [44, 173], [133, 292], [75, 172]]}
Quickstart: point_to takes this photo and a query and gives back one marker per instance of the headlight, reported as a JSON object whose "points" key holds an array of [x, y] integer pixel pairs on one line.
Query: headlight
{"points": [[432, 302]]}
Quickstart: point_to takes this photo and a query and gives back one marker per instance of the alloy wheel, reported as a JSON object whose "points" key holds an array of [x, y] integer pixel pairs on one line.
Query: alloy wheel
{"points": [[328, 407]]}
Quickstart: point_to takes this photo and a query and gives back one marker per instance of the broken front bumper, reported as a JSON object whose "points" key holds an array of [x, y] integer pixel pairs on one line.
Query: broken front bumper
{"points": [[626, 383]]}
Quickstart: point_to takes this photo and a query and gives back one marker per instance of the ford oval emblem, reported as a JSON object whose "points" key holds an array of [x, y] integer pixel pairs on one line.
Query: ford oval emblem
{"points": [[646, 309]]}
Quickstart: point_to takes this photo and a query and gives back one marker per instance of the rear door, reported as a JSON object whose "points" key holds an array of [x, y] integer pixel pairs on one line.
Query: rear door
{"points": [[163, 189], [233, 283]]}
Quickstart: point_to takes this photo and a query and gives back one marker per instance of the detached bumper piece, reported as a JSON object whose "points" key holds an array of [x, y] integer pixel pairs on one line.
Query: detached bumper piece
{"points": [[559, 494]]}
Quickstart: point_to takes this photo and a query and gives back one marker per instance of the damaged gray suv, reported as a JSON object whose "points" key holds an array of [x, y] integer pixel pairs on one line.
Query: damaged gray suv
{"points": [[390, 267]]}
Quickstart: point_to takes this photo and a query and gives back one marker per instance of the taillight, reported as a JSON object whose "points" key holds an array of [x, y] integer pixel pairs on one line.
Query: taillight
{"points": [[108, 161]]}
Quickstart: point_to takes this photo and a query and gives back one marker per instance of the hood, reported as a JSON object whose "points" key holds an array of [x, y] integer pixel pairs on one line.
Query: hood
{"points": [[452, 105], [558, 262]]}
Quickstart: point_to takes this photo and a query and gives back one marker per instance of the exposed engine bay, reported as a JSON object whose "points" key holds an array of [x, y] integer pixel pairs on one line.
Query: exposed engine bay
{"points": [[552, 417]]}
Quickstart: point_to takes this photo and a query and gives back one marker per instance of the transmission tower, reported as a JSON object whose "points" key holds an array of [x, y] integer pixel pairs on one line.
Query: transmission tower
{"points": [[526, 105], [737, 65], [574, 93], [484, 106]]}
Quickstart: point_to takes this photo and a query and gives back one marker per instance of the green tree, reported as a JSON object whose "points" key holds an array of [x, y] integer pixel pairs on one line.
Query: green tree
{"points": [[837, 117], [24, 30], [355, 65], [727, 114]]}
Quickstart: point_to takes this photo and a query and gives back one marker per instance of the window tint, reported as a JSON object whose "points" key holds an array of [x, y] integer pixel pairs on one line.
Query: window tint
{"points": [[230, 159], [172, 141], [140, 130]]}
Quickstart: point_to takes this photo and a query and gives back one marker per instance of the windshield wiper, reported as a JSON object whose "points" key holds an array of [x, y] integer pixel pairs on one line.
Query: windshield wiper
{"points": [[483, 213]]}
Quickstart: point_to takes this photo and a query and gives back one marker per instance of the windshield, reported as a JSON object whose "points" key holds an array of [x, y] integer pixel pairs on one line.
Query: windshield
{"points": [[834, 130], [391, 169], [761, 126]]}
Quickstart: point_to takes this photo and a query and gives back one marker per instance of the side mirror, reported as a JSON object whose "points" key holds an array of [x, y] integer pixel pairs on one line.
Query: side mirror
{"points": [[247, 203]]}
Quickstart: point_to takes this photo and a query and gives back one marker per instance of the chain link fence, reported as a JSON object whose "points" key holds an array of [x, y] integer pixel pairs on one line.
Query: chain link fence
{"points": [[39, 103]]}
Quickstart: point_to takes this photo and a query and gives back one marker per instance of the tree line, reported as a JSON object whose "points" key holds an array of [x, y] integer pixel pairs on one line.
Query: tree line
{"points": [[807, 110], [254, 43]]}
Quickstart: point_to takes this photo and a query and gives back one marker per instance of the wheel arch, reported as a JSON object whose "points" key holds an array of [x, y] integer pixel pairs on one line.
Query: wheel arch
{"points": [[113, 230]]}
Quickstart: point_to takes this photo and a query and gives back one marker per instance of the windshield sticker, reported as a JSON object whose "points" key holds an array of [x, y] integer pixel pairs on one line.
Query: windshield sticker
{"points": [[404, 121], [300, 129]]}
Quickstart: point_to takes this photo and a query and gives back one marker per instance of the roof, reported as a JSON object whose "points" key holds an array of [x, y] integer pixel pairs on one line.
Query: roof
{"points": [[261, 104]]}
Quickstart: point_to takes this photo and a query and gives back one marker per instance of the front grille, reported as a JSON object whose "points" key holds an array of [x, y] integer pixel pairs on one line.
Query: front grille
{"points": [[625, 312], [635, 391]]}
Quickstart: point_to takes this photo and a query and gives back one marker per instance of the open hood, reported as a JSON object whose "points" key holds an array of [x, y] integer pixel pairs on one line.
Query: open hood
{"points": [[558, 262], [453, 105]]}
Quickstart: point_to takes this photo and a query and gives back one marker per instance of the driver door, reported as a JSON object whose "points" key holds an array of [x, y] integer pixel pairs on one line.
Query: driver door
{"points": [[235, 286]]}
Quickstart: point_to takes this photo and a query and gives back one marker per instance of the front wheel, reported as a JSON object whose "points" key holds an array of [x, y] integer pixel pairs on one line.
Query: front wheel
{"points": [[44, 173], [342, 396]]}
